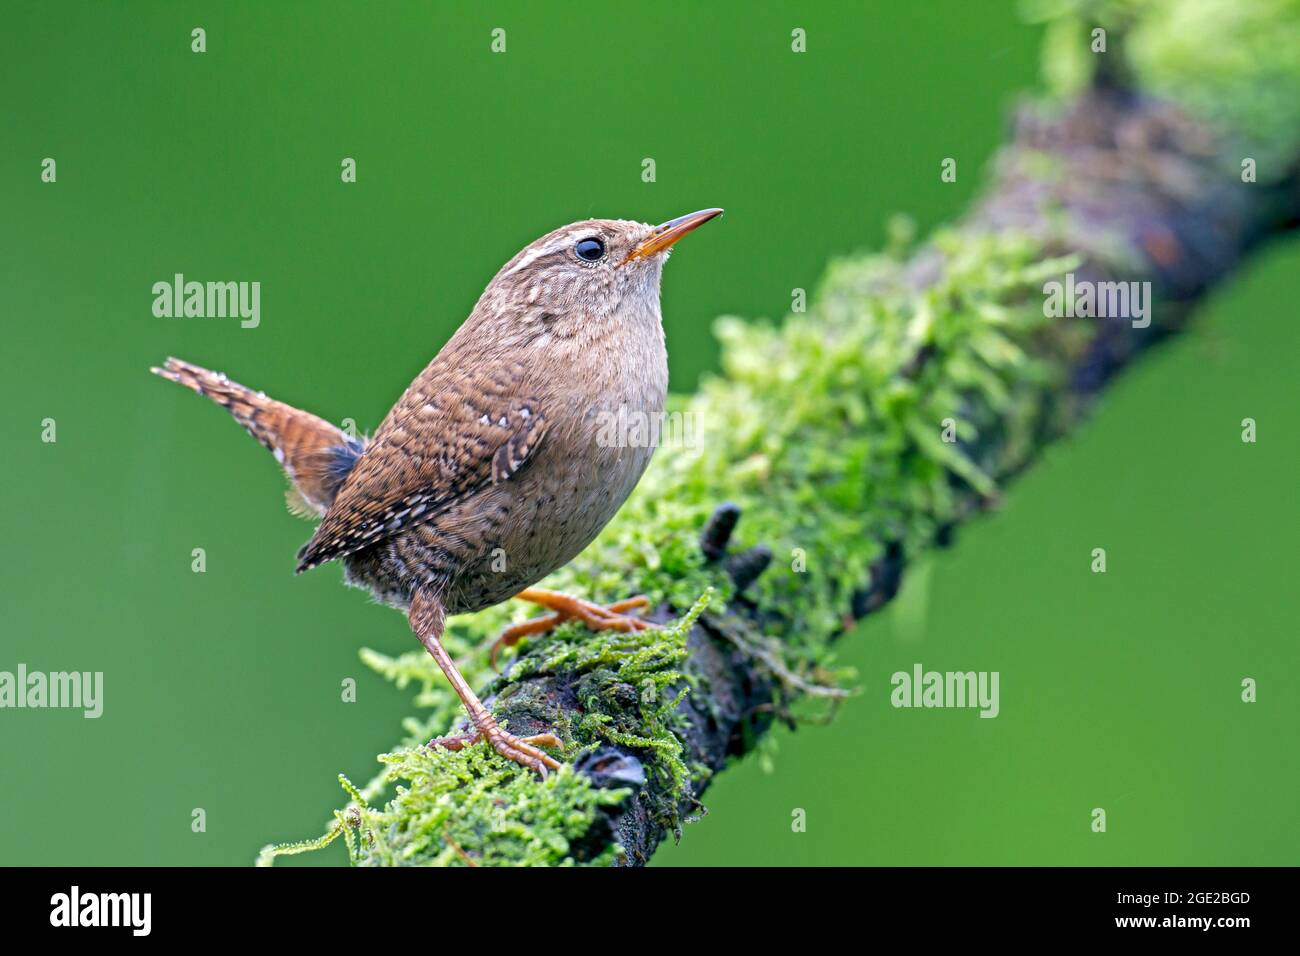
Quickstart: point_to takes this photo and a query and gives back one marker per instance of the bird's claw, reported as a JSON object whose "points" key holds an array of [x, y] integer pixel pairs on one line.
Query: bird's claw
{"points": [[612, 617], [521, 751], [518, 749]]}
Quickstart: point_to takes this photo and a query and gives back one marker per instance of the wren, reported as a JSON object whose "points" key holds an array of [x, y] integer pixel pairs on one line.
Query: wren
{"points": [[487, 475]]}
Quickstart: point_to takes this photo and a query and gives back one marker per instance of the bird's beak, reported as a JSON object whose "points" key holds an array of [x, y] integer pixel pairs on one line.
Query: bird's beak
{"points": [[665, 235]]}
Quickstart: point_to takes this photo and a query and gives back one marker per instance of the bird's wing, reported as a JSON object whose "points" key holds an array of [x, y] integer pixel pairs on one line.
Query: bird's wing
{"points": [[440, 443]]}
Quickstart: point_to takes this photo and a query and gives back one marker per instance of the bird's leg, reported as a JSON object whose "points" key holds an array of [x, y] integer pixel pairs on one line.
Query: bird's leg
{"points": [[427, 616], [595, 616]]}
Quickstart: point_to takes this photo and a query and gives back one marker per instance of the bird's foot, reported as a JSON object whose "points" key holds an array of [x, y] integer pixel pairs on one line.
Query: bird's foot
{"points": [[598, 617], [519, 749]]}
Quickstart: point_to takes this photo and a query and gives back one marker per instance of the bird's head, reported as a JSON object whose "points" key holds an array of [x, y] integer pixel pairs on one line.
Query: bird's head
{"points": [[585, 275]]}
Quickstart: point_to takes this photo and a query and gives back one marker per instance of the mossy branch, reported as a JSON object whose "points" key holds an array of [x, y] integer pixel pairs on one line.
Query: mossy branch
{"points": [[825, 436]]}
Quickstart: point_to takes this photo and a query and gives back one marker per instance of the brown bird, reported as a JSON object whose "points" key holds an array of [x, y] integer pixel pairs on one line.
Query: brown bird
{"points": [[494, 468]]}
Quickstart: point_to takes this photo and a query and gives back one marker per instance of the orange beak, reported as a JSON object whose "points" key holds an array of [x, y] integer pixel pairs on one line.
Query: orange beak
{"points": [[668, 233]]}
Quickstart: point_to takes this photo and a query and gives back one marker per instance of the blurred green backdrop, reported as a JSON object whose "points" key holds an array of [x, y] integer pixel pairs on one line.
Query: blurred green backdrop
{"points": [[222, 689]]}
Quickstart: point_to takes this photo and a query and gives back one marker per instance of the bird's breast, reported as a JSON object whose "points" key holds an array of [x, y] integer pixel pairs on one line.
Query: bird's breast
{"points": [[605, 407]]}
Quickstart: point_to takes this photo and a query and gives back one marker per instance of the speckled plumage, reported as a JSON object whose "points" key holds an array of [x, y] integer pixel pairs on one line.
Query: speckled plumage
{"points": [[488, 473], [490, 456]]}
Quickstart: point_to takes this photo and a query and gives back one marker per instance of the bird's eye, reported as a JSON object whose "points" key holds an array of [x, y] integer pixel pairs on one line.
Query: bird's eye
{"points": [[590, 250]]}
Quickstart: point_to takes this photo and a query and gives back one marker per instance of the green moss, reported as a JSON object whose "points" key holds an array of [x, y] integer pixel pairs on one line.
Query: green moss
{"points": [[467, 799], [474, 807], [828, 431]]}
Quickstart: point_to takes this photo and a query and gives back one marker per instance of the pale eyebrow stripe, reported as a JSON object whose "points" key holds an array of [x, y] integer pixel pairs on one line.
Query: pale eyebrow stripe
{"points": [[550, 248]]}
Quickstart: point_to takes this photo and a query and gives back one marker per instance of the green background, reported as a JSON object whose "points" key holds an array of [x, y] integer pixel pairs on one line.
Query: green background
{"points": [[1119, 691]]}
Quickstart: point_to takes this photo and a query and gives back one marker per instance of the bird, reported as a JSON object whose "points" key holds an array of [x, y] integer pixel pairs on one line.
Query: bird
{"points": [[494, 468]]}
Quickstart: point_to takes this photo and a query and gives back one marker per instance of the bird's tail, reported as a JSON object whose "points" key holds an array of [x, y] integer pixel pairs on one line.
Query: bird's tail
{"points": [[315, 455]]}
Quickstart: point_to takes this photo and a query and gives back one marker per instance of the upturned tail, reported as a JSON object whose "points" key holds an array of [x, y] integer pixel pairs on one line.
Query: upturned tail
{"points": [[315, 455]]}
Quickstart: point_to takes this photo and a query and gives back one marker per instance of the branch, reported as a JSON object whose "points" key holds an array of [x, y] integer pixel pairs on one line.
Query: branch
{"points": [[825, 438]]}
